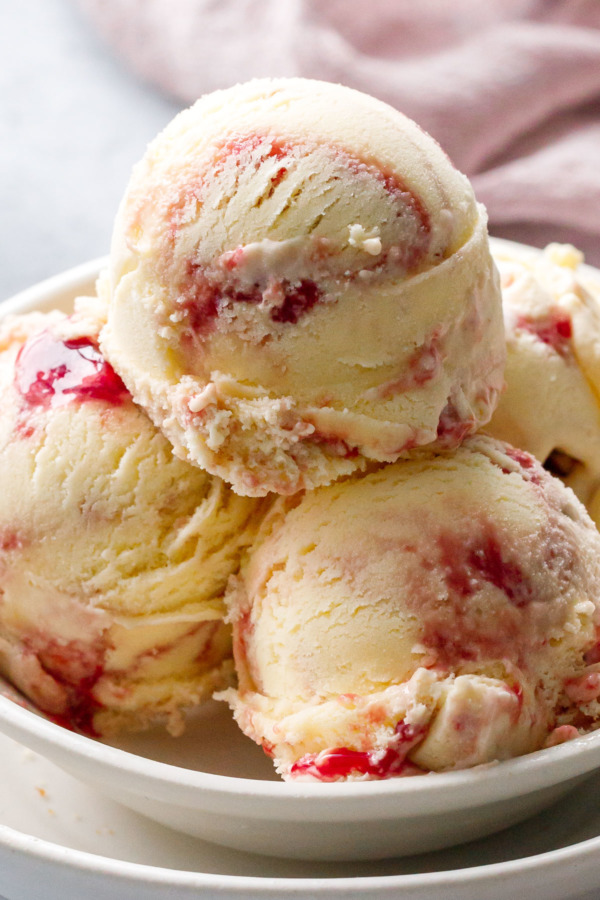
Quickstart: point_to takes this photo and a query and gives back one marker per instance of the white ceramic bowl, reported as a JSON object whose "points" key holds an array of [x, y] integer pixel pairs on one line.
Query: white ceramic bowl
{"points": [[60, 840], [215, 784]]}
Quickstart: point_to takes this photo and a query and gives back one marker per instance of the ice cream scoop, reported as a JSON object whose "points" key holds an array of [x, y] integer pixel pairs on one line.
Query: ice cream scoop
{"points": [[114, 553], [435, 614], [551, 406], [300, 281]]}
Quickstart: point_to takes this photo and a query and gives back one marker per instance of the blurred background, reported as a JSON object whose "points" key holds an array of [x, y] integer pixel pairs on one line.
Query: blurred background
{"points": [[73, 120], [510, 88]]}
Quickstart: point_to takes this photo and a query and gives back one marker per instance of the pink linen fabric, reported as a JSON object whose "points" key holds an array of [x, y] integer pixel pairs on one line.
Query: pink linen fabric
{"points": [[510, 88]]}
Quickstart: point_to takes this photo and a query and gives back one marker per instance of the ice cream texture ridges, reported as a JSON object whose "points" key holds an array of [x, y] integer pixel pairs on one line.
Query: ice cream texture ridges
{"points": [[551, 406], [438, 613], [300, 281], [114, 553]]}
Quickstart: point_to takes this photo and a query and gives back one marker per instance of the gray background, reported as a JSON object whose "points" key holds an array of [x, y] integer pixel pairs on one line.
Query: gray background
{"points": [[73, 121]]}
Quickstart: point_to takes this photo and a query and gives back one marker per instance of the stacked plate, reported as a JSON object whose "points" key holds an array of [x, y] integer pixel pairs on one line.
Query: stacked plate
{"points": [[61, 839]]}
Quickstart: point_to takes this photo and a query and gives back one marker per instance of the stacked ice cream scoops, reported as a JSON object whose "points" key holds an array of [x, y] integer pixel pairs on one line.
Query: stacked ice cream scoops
{"points": [[300, 305]]}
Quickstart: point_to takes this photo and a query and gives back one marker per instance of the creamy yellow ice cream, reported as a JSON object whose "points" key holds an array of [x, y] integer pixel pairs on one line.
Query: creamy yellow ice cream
{"points": [[114, 553], [551, 406], [300, 281], [435, 614]]}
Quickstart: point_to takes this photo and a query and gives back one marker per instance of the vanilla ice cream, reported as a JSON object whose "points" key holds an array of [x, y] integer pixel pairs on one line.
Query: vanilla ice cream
{"points": [[434, 614], [300, 281], [551, 406], [114, 553]]}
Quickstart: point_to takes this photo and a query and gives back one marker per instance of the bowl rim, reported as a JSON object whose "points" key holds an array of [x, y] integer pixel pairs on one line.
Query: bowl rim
{"points": [[525, 774]]}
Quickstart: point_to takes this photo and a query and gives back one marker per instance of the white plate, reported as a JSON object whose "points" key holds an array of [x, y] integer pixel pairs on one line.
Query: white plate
{"points": [[213, 783], [59, 840]]}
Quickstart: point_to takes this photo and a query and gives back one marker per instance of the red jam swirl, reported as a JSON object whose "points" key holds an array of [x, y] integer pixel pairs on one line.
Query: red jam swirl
{"points": [[555, 329], [341, 762], [51, 372]]}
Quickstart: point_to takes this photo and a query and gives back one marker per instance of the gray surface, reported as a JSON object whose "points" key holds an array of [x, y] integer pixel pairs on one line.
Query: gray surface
{"points": [[72, 123]]}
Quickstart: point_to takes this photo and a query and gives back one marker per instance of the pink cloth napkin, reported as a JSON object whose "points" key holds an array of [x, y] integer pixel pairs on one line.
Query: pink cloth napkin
{"points": [[510, 88]]}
